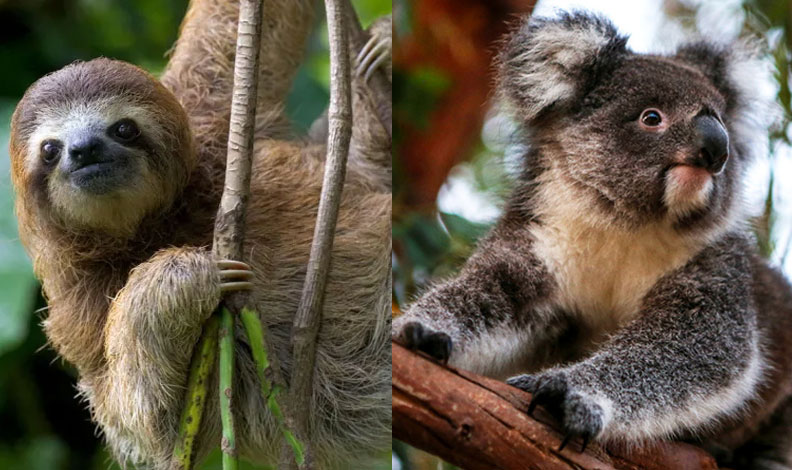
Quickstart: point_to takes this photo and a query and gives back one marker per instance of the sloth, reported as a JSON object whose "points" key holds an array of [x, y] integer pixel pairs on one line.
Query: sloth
{"points": [[118, 177], [621, 285]]}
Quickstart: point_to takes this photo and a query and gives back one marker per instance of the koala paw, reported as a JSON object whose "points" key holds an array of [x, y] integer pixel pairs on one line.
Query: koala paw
{"points": [[434, 343], [580, 414]]}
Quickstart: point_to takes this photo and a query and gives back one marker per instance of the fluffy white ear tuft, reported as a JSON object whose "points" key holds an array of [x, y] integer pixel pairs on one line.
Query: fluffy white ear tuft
{"points": [[547, 62]]}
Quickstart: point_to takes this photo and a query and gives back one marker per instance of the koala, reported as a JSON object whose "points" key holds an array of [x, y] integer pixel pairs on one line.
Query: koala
{"points": [[621, 286]]}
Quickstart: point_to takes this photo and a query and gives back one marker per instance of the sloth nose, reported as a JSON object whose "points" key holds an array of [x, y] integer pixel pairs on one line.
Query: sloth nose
{"points": [[713, 144], [85, 151]]}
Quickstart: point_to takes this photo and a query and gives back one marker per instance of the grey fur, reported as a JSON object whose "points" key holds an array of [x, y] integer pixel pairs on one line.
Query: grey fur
{"points": [[636, 304]]}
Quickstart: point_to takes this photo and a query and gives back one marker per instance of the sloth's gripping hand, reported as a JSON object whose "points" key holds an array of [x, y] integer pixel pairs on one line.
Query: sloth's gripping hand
{"points": [[152, 327]]}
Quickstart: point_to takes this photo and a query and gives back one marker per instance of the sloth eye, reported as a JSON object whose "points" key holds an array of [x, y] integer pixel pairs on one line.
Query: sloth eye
{"points": [[125, 130], [50, 150], [651, 117]]}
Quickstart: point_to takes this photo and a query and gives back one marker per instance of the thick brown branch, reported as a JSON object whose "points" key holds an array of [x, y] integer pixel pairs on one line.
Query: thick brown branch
{"points": [[479, 423]]}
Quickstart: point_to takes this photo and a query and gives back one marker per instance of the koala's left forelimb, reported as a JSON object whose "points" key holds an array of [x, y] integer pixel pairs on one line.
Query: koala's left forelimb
{"points": [[670, 369]]}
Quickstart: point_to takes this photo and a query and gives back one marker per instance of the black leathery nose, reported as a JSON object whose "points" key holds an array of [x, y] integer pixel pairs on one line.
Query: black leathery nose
{"points": [[713, 142], [86, 151]]}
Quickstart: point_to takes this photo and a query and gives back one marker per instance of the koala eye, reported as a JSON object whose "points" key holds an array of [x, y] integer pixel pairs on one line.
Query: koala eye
{"points": [[50, 150], [651, 117], [125, 130]]}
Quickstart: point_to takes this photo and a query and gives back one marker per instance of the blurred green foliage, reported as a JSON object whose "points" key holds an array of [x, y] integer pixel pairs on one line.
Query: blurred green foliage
{"points": [[43, 425]]}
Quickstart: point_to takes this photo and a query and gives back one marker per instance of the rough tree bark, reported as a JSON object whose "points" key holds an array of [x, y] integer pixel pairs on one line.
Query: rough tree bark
{"points": [[230, 220], [309, 311], [479, 423]]}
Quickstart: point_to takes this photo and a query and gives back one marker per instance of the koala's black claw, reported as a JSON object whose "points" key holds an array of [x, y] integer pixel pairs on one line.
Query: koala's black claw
{"points": [[585, 443], [564, 442], [578, 415], [532, 406], [434, 343], [586, 438], [413, 334]]}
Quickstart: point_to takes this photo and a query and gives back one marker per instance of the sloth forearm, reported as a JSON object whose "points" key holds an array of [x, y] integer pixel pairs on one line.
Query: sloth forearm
{"points": [[152, 327], [203, 59]]}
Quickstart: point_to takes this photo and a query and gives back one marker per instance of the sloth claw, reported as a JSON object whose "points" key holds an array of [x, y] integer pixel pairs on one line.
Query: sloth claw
{"points": [[371, 56], [234, 275], [232, 264], [232, 286]]}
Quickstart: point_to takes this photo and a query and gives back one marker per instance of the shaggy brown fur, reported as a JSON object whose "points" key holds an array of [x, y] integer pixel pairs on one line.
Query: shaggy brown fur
{"points": [[127, 300]]}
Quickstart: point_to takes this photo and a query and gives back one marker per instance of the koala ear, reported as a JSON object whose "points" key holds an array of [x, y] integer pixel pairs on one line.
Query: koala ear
{"points": [[724, 65], [737, 72], [551, 62]]}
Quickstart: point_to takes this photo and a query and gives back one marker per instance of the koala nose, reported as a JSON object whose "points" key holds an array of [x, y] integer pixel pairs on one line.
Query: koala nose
{"points": [[713, 144], [85, 151]]}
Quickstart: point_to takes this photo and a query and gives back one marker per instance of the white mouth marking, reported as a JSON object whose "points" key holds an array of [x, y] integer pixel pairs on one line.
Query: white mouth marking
{"points": [[687, 189]]}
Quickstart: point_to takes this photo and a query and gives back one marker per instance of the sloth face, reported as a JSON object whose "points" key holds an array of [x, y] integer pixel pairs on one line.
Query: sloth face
{"points": [[99, 145], [649, 143], [91, 159]]}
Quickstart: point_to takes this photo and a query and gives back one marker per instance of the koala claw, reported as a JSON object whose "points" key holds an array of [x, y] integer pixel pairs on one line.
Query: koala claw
{"points": [[580, 416], [234, 275], [585, 441], [434, 343]]}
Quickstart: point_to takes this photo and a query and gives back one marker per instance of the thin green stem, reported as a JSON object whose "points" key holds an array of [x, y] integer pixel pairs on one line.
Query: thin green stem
{"points": [[255, 333], [197, 389], [225, 338]]}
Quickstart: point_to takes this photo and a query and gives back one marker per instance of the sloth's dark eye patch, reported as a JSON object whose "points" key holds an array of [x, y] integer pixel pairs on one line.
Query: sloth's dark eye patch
{"points": [[651, 117], [50, 150], [125, 130]]}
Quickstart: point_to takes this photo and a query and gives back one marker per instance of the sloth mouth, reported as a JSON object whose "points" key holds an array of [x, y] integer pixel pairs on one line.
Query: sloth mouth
{"points": [[98, 177]]}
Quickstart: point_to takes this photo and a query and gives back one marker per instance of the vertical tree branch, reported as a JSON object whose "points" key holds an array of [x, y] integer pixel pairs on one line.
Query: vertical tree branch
{"points": [[308, 317], [228, 240], [230, 220]]}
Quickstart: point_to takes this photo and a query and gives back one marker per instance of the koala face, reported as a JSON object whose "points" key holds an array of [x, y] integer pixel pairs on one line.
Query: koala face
{"points": [[648, 142], [639, 138]]}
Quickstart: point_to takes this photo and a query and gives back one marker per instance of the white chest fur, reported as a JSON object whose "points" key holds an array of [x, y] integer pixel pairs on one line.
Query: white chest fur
{"points": [[601, 272]]}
